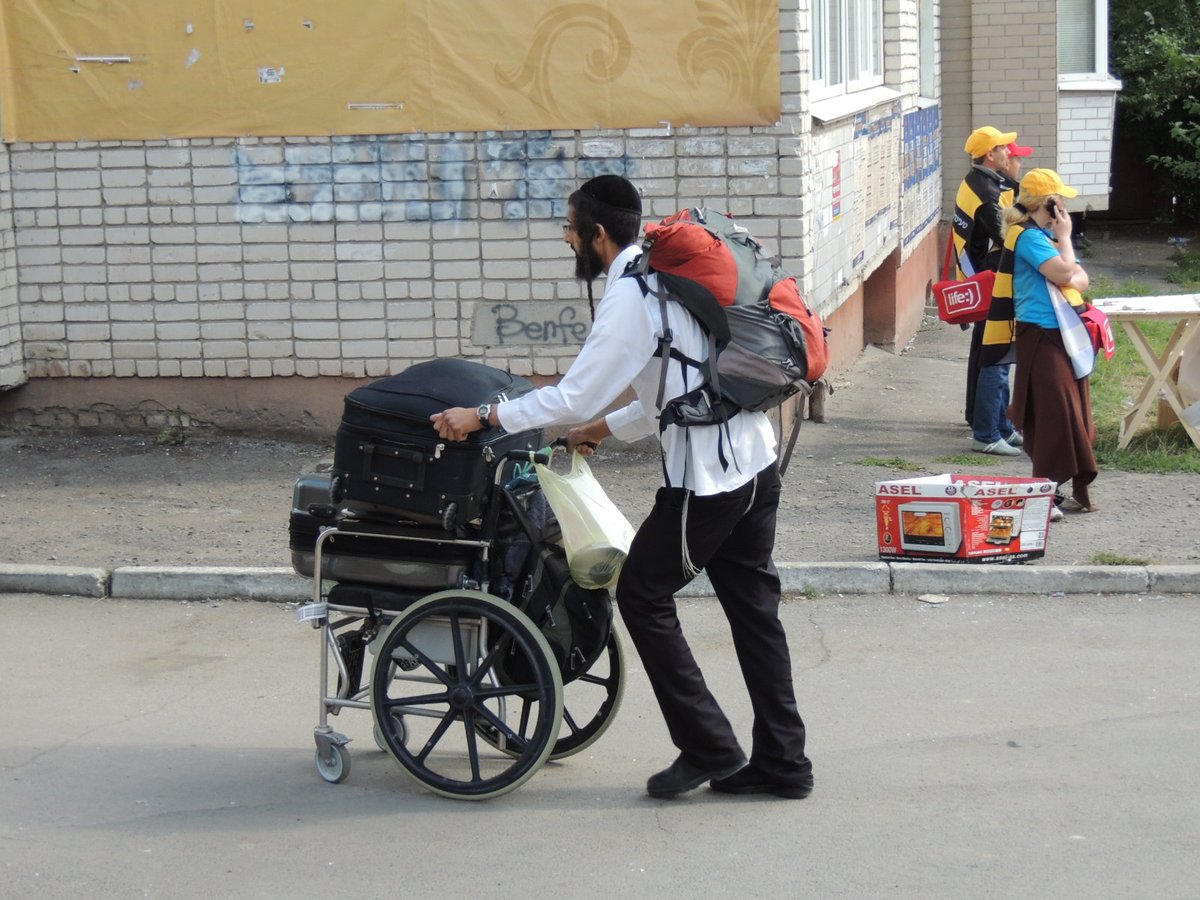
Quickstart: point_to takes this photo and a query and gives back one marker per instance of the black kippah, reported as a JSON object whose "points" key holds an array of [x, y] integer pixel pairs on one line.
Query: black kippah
{"points": [[614, 192]]}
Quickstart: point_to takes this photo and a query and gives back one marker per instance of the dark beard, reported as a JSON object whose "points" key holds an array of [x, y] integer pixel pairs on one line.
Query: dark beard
{"points": [[587, 263]]}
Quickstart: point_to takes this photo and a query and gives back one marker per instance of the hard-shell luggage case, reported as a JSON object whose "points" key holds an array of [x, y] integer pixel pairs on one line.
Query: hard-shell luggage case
{"points": [[347, 557], [390, 465], [312, 512]]}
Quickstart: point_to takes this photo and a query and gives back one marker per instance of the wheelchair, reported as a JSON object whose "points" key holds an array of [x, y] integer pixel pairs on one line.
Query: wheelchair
{"points": [[422, 626]]}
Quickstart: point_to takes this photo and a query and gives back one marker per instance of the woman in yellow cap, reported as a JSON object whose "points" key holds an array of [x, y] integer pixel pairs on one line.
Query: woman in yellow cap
{"points": [[1050, 405]]}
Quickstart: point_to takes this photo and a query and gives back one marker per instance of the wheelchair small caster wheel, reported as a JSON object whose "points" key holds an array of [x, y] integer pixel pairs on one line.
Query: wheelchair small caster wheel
{"points": [[400, 730], [333, 764]]}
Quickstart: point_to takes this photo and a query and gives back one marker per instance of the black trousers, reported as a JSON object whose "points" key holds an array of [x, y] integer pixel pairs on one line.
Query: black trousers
{"points": [[731, 536]]}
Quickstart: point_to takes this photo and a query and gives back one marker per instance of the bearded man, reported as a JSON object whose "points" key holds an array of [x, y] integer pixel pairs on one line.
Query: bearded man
{"points": [[716, 511]]}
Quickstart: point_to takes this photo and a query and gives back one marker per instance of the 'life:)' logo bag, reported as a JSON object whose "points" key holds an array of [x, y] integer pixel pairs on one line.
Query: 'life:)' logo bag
{"points": [[965, 301]]}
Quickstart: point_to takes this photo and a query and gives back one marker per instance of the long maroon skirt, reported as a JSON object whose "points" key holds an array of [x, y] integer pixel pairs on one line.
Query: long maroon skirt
{"points": [[1053, 410]]}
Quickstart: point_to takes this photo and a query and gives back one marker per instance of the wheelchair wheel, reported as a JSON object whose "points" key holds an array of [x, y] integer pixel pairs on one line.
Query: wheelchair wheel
{"points": [[589, 704], [436, 678], [333, 764]]}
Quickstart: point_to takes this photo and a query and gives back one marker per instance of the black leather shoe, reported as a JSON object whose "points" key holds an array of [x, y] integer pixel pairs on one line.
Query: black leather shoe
{"points": [[681, 776], [750, 780]]}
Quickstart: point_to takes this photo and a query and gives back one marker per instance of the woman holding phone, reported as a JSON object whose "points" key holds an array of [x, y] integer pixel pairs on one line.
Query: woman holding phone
{"points": [[1050, 406]]}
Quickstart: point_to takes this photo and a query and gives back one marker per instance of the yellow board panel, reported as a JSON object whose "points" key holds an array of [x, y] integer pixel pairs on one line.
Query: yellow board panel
{"points": [[152, 69]]}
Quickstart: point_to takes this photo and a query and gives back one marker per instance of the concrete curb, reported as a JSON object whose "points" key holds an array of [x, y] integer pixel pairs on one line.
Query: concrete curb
{"points": [[920, 578], [73, 580], [208, 583], [280, 583]]}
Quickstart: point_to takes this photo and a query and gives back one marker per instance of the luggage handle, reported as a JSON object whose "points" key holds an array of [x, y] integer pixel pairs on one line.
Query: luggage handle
{"points": [[371, 477]]}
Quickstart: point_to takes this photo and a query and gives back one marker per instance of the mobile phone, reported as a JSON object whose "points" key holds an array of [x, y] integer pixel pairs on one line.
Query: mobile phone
{"points": [[1052, 208]]}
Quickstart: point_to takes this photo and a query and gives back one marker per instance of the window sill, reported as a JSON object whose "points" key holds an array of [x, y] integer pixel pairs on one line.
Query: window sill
{"points": [[1093, 83], [843, 105]]}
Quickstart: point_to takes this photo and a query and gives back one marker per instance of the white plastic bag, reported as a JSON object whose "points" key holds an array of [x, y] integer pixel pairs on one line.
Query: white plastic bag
{"points": [[596, 535]]}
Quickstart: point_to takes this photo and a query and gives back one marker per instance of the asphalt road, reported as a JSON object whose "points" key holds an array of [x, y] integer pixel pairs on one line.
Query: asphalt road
{"points": [[983, 747]]}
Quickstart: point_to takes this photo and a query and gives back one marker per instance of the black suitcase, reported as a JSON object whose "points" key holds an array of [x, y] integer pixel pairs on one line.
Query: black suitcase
{"points": [[389, 463], [418, 565]]}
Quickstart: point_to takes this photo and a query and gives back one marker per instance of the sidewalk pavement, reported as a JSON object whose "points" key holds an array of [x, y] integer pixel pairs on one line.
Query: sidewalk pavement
{"points": [[890, 412]]}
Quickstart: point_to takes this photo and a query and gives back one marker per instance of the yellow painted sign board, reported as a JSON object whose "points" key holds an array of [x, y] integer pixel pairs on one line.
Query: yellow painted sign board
{"points": [[154, 69]]}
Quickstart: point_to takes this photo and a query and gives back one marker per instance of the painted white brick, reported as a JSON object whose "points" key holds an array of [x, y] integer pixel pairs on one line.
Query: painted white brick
{"points": [[179, 349], [359, 349], [133, 331], [220, 349], [313, 350], [359, 271], [222, 331]]}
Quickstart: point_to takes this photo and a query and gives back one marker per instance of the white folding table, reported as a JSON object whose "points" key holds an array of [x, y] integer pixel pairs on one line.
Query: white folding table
{"points": [[1184, 310]]}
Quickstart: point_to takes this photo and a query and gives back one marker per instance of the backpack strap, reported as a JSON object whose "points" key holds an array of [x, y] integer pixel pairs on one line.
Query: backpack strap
{"points": [[715, 333], [791, 445], [637, 269], [664, 349]]}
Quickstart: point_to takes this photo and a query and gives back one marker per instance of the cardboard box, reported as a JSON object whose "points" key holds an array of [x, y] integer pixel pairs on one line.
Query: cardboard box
{"points": [[963, 518]]}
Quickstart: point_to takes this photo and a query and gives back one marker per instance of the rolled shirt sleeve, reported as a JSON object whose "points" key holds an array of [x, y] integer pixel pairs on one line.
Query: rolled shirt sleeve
{"points": [[631, 422]]}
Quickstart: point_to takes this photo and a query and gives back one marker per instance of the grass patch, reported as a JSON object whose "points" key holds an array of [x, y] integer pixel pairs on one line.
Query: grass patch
{"points": [[175, 433], [1114, 385], [967, 460], [808, 592], [891, 462], [1104, 558], [1103, 286], [1187, 271], [1157, 450]]}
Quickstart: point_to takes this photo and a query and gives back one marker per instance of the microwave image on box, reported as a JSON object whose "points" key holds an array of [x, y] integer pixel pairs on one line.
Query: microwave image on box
{"points": [[1004, 526], [932, 527]]}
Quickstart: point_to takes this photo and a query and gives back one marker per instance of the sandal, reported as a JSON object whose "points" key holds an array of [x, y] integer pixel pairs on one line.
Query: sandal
{"points": [[1071, 505]]}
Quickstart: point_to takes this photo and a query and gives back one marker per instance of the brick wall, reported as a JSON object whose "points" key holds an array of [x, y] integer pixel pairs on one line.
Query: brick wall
{"points": [[12, 361], [999, 68], [956, 83], [249, 259], [1085, 145], [301, 259]]}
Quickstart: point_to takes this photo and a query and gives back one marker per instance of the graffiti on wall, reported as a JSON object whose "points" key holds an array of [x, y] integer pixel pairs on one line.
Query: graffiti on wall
{"points": [[530, 323], [413, 178]]}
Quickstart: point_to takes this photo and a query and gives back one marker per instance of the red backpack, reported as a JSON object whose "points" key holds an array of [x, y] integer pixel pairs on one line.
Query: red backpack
{"points": [[765, 343]]}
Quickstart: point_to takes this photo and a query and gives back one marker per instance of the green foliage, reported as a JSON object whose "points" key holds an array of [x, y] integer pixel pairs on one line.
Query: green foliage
{"points": [[1156, 52]]}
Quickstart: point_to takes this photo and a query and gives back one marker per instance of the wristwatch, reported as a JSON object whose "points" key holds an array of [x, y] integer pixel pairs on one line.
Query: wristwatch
{"points": [[484, 412]]}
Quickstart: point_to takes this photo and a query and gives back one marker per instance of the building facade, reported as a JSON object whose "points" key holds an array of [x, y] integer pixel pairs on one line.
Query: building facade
{"points": [[1040, 68], [249, 283]]}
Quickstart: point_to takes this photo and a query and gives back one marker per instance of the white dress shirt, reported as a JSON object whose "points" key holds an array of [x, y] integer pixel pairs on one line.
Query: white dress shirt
{"points": [[619, 353]]}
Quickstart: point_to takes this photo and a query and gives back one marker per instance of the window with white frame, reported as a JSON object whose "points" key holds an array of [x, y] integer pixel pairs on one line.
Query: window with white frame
{"points": [[926, 48], [847, 38], [1083, 38]]}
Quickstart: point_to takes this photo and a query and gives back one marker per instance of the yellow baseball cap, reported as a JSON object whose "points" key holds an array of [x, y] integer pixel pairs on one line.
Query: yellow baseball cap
{"points": [[1043, 183], [986, 138]]}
